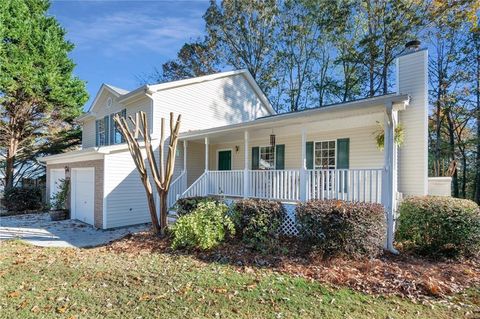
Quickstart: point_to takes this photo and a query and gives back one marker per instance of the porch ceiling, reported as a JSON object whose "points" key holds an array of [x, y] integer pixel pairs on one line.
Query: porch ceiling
{"points": [[313, 125], [354, 114]]}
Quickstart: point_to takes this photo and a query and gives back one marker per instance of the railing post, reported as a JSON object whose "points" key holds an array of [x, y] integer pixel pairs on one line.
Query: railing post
{"points": [[184, 179], [246, 176], [303, 168]]}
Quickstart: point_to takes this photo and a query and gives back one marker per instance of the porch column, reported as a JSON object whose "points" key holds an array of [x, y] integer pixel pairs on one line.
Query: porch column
{"points": [[389, 188], [206, 154], [246, 180], [185, 150], [303, 168]]}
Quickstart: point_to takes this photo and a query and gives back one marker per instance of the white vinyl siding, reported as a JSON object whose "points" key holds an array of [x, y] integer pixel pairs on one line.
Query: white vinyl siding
{"points": [[88, 134], [413, 156]]}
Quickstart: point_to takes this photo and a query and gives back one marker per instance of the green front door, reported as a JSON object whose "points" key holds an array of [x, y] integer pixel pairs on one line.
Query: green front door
{"points": [[224, 160]]}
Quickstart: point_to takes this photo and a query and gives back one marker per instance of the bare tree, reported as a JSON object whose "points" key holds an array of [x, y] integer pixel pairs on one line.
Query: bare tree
{"points": [[161, 175]]}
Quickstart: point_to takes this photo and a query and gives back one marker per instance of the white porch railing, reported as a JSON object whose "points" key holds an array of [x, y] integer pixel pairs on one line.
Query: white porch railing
{"points": [[198, 188], [364, 185], [347, 184], [228, 183], [275, 184], [177, 188]]}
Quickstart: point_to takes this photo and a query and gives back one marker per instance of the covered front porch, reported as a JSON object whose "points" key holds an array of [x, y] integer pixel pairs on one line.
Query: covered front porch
{"points": [[329, 153]]}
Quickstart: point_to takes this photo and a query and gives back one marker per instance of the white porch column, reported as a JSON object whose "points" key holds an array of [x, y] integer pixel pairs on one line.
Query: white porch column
{"points": [[206, 154], [303, 168], [185, 150], [246, 180], [389, 188]]}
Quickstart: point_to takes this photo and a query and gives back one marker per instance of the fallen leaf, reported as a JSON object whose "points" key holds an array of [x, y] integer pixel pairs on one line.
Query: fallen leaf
{"points": [[14, 294]]}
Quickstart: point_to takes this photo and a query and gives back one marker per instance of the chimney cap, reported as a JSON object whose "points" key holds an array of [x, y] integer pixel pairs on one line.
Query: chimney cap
{"points": [[413, 45]]}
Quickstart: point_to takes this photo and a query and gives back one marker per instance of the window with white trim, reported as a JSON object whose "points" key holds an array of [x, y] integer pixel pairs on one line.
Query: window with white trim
{"points": [[101, 132], [266, 157], [115, 136], [325, 155], [107, 132]]}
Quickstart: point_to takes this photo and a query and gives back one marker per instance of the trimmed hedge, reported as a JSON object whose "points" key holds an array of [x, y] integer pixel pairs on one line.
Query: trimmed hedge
{"points": [[205, 228], [258, 222], [351, 229], [439, 226], [188, 204], [19, 199]]}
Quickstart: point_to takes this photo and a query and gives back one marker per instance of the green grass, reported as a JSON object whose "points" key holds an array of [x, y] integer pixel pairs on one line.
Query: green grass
{"points": [[66, 283]]}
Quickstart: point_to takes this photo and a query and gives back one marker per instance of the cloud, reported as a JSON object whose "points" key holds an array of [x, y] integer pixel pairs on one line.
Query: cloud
{"points": [[125, 31]]}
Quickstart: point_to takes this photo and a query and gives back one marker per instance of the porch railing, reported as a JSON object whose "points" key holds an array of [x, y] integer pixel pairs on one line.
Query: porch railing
{"points": [[347, 184], [177, 187]]}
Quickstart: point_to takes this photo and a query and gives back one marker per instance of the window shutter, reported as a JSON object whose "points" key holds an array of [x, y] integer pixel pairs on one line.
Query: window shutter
{"points": [[343, 159], [107, 129], [343, 150], [96, 132], [309, 147], [280, 156], [255, 157]]}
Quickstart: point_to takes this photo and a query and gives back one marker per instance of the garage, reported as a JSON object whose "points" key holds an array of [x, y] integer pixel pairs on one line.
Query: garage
{"points": [[83, 194]]}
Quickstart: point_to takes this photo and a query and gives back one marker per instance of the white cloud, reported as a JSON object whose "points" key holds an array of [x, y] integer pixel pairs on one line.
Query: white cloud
{"points": [[123, 32]]}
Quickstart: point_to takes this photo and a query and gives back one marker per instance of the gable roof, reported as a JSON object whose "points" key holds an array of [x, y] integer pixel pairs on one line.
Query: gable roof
{"points": [[118, 90], [200, 79]]}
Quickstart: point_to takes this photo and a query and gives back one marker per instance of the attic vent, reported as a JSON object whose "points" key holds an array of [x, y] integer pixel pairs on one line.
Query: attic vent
{"points": [[109, 102]]}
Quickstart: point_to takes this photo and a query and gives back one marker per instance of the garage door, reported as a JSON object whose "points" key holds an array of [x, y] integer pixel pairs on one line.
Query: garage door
{"points": [[83, 190], [55, 176]]}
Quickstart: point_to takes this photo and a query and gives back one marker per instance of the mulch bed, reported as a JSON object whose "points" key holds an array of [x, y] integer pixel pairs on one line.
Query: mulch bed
{"points": [[403, 275]]}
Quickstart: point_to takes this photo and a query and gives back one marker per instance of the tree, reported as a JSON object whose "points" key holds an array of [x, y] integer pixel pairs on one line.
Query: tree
{"points": [[161, 175], [243, 33], [37, 88]]}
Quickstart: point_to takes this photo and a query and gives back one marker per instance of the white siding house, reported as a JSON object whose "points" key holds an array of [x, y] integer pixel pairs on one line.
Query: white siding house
{"points": [[233, 143]]}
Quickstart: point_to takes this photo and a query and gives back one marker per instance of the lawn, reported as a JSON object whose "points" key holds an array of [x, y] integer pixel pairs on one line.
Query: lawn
{"points": [[102, 283]]}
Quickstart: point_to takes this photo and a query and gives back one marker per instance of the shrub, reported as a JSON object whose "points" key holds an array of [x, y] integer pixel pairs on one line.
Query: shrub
{"points": [[59, 200], [189, 204], [352, 229], [439, 226], [21, 199], [204, 228], [258, 222]]}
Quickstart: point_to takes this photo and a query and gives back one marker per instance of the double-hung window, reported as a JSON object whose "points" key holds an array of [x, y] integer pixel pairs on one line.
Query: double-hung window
{"points": [[325, 155], [115, 136], [267, 158]]}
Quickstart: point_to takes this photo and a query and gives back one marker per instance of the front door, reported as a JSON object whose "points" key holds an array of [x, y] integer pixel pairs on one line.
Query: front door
{"points": [[224, 160], [82, 195]]}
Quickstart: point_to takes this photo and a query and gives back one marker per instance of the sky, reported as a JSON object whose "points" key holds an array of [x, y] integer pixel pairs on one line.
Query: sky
{"points": [[119, 42]]}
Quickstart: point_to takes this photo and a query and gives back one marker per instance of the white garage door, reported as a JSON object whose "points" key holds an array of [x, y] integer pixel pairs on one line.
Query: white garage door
{"points": [[55, 176], [83, 190]]}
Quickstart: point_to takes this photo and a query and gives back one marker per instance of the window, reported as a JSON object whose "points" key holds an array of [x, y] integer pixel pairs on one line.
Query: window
{"points": [[267, 157], [115, 136], [325, 155], [107, 132]]}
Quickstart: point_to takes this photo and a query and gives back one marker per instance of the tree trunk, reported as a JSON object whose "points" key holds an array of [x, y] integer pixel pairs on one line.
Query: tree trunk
{"points": [[163, 213], [451, 141], [151, 207], [464, 175], [10, 163], [477, 162]]}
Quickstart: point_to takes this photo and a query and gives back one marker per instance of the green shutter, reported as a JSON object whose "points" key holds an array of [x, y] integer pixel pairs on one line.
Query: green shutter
{"points": [[255, 157], [343, 150], [97, 140], [106, 122], [280, 156], [309, 147], [343, 159]]}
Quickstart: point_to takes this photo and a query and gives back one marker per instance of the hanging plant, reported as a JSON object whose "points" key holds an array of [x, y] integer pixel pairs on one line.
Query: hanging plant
{"points": [[380, 136]]}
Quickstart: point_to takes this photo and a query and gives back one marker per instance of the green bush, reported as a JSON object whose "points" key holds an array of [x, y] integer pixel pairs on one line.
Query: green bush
{"points": [[22, 199], [351, 229], [206, 227], [189, 204], [439, 226], [258, 222]]}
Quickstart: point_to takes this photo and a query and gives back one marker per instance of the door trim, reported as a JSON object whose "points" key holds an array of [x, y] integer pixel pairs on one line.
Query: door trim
{"points": [[218, 155], [73, 212]]}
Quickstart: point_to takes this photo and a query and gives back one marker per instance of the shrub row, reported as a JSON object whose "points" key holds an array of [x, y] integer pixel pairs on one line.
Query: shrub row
{"points": [[21, 199], [439, 226], [337, 227]]}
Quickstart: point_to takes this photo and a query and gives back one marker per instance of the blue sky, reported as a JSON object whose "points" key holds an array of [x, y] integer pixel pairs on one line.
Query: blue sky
{"points": [[117, 42]]}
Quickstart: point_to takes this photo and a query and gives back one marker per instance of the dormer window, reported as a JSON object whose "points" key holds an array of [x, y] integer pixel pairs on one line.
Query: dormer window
{"points": [[107, 132]]}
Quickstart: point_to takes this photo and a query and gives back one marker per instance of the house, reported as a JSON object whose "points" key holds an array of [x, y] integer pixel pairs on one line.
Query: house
{"points": [[232, 143]]}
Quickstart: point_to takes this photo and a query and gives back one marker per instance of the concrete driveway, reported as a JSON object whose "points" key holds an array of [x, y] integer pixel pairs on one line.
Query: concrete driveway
{"points": [[39, 230]]}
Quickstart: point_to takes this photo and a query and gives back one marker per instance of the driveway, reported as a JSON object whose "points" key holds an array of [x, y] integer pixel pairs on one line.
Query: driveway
{"points": [[39, 230]]}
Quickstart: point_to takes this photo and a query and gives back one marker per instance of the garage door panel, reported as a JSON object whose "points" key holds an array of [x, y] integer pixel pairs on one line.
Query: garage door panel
{"points": [[83, 194]]}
